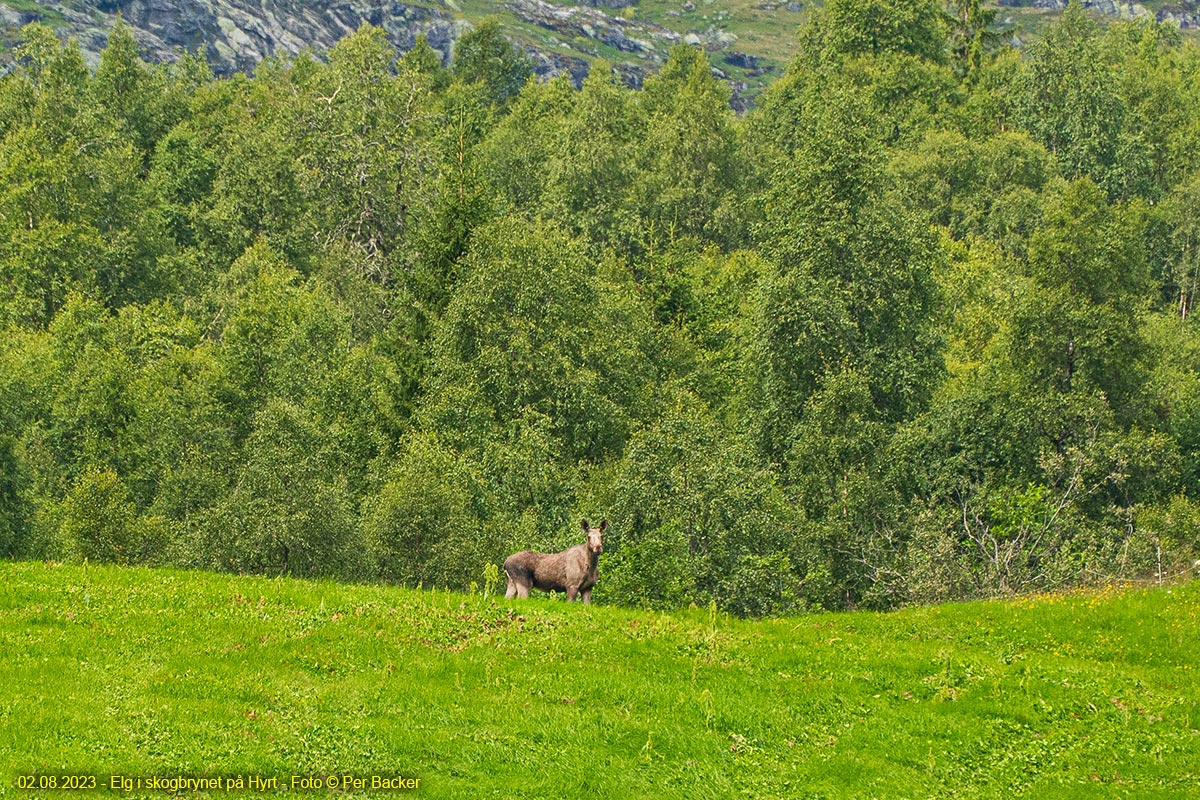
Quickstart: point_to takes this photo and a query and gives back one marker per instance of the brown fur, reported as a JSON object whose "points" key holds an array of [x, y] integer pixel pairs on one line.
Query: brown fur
{"points": [[572, 571]]}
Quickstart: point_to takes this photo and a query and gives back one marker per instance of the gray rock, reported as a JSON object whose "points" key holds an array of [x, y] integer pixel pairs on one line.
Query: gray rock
{"points": [[547, 64], [615, 4], [743, 60], [1185, 15], [237, 34], [752, 64], [11, 18], [1126, 10], [621, 34], [632, 75]]}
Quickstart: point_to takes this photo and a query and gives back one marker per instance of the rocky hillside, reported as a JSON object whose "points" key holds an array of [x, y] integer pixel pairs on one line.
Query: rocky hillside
{"points": [[236, 34], [1185, 13], [749, 40]]}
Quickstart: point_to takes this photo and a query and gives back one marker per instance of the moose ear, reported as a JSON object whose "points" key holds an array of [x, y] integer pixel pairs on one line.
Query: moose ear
{"points": [[586, 527], [603, 525]]}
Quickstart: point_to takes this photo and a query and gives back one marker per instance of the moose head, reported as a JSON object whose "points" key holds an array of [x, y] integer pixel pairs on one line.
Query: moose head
{"points": [[594, 542]]}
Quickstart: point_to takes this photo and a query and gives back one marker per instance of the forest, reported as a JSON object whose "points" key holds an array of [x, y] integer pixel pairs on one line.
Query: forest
{"points": [[918, 327]]}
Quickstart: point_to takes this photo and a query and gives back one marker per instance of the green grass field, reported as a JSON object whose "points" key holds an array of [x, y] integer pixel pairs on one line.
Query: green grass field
{"points": [[140, 673]]}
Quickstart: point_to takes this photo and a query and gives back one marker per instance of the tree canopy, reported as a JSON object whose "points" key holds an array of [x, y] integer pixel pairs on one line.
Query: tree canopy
{"points": [[920, 326]]}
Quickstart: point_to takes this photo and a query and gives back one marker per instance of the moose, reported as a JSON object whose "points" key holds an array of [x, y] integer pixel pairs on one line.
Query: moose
{"points": [[572, 571]]}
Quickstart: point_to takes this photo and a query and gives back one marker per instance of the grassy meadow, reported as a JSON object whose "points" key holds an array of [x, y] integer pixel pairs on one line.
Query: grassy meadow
{"points": [[139, 672]]}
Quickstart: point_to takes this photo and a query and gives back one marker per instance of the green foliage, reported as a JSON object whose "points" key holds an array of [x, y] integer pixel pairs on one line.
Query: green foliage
{"points": [[277, 336], [98, 521], [874, 27], [973, 34], [140, 102], [14, 513], [854, 281], [1174, 385], [590, 168], [1169, 536], [691, 170], [1064, 99], [286, 513], [423, 525], [483, 55], [517, 151], [1078, 330], [722, 292], [456, 202], [530, 331], [986, 189], [362, 134], [919, 327], [695, 520], [1177, 223]]}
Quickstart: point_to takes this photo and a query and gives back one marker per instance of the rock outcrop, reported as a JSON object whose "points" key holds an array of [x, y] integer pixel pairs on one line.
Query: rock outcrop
{"points": [[590, 23], [237, 34], [1185, 14]]}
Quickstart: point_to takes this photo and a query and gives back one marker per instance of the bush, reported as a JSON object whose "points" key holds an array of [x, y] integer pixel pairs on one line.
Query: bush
{"points": [[98, 521], [423, 526]]}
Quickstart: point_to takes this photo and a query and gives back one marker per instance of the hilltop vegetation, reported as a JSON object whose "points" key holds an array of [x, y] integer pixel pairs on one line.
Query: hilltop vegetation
{"points": [[921, 327], [134, 672]]}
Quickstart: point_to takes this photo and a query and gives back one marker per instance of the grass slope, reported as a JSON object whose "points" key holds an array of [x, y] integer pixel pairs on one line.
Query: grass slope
{"points": [[146, 672]]}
